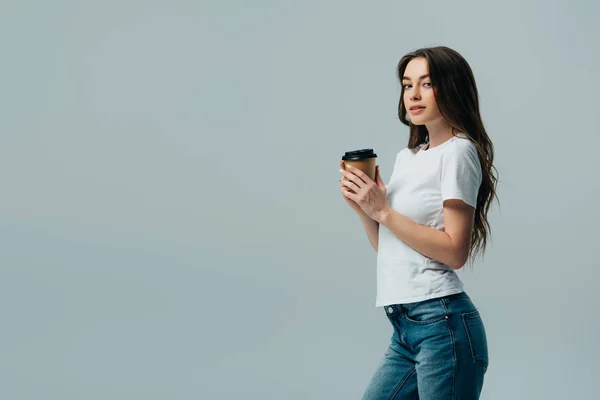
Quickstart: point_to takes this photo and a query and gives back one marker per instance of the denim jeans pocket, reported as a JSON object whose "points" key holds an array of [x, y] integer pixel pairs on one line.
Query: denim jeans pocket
{"points": [[477, 337], [426, 312]]}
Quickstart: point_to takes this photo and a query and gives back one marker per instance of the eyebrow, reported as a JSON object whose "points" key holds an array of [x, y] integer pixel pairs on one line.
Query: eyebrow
{"points": [[421, 77]]}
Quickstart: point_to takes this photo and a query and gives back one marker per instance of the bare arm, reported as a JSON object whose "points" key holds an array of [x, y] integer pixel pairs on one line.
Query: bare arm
{"points": [[372, 230], [450, 246]]}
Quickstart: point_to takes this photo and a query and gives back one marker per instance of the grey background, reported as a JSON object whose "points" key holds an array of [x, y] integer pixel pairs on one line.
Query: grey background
{"points": [[172, 226]]}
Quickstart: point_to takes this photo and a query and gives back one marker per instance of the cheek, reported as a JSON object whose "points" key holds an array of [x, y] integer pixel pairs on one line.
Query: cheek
{"points": [[405, 100], [431, 103], [429, 96]]}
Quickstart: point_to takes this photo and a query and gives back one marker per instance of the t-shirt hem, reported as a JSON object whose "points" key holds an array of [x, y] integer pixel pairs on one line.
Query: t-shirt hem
{"points": [[459, 196], [428, 296]]}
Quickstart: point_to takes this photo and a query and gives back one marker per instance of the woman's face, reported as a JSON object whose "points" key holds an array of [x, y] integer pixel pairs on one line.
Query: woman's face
{"points": [[418, 91]]}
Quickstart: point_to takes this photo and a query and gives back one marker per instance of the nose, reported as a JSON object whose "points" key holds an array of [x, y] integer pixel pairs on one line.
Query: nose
{"points": [[415, 95]]}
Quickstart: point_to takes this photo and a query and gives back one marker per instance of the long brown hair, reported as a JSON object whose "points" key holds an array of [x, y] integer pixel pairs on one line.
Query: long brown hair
{"points": [[457, 98]]}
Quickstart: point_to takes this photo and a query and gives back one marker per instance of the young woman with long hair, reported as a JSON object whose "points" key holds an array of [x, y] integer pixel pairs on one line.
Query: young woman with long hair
{"points": [[425, 224]]}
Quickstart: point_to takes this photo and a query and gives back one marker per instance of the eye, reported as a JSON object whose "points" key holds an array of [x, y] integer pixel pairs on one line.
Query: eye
{"points": [[408, 84]]}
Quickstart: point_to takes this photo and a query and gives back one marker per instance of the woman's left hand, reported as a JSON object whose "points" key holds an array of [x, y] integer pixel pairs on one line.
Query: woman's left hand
{"points": [[369, 195]]}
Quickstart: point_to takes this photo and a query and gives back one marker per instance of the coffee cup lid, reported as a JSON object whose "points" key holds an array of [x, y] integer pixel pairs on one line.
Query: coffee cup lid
{"points": [[358, 155]]}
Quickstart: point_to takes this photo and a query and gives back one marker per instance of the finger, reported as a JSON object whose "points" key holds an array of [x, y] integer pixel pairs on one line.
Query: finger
{"points": [[352, 177], [364, 177], [350, 195], [350, 185], [354, 180], [378, 176]]}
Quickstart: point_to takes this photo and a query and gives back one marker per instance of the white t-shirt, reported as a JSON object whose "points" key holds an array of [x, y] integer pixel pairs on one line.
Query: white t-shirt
{"points": [[421, 180]]}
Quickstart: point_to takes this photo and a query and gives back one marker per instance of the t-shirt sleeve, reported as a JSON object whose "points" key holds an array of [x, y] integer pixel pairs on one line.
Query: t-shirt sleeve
{"points": [[461, 174]]}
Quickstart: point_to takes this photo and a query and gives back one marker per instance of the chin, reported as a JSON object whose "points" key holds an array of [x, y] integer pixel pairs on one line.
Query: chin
{"points": [[419, 122]]}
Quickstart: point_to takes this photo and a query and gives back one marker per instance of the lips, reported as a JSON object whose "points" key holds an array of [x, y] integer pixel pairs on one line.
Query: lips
{"points": [[416, 110]]}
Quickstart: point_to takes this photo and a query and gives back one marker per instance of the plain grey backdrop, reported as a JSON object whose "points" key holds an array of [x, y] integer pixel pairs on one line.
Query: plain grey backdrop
{"points": [[172, 226]]}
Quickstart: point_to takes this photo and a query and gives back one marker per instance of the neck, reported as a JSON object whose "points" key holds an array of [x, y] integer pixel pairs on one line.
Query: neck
{"points": [[439, 132]]}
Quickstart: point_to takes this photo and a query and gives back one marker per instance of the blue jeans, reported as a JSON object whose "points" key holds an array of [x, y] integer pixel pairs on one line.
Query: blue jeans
{"points": [[438, 351]]}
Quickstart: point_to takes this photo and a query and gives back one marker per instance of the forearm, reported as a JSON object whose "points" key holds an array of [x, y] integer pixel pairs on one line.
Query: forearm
{"points": [[428, 241], [372, 230]]}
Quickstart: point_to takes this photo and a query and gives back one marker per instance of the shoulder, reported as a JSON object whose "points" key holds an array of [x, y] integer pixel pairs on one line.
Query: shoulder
{"points": [[464, 144], [462, 157], [462, 148], [404, 153]]}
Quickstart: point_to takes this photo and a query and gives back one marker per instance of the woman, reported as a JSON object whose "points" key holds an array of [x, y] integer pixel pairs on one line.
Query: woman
{"points": [[425, 225]]}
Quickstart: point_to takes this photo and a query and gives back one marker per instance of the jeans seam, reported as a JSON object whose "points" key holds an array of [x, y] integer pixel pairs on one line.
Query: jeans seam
{"points": [[402, 382], [453, 342], [476, 361]]}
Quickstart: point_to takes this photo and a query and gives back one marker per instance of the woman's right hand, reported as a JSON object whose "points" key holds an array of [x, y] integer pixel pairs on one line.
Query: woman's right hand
{"points": [[350, 202]]}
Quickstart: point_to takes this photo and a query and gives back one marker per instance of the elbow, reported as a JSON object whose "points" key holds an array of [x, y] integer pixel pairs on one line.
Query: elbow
{"points": [[457, 265], [458, 260], [457, 253]]}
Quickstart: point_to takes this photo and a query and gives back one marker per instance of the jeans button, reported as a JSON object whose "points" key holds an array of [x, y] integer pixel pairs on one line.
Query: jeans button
{"points": [[390, 310]]}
